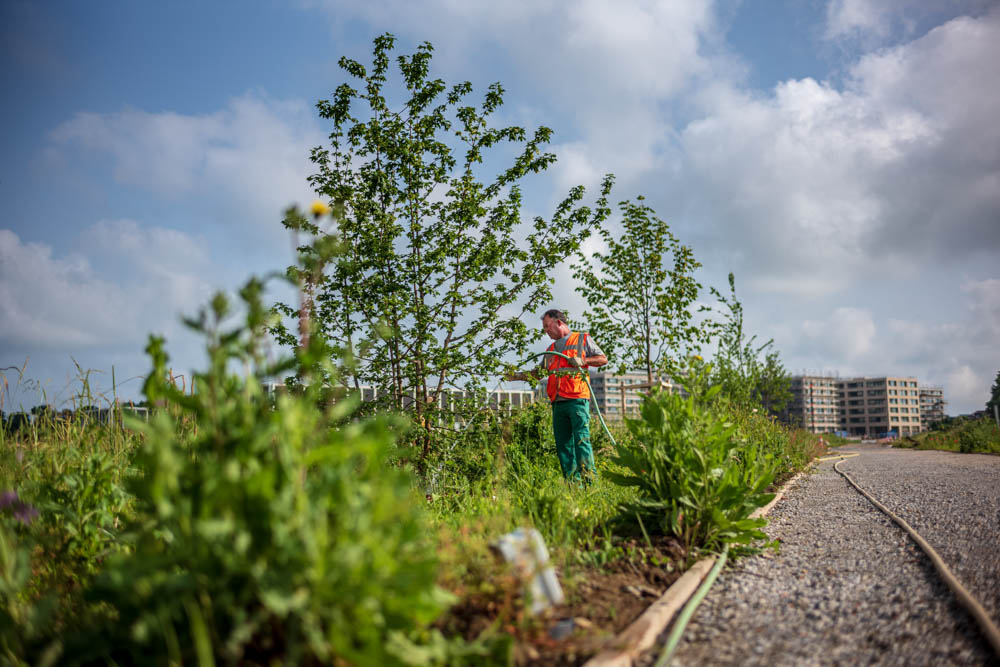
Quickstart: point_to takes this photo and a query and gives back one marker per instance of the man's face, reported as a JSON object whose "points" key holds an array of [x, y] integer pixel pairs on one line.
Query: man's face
{"points": [[552, 327]]}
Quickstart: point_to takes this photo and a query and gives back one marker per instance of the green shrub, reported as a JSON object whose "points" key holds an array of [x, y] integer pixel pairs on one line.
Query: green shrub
{"points": [[791, 449], [262, 533], [980, 435], [959, 435], [695, 477]]}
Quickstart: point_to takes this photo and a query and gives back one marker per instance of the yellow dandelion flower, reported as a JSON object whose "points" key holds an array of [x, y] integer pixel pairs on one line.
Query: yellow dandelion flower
{"points": [[319, 208]]}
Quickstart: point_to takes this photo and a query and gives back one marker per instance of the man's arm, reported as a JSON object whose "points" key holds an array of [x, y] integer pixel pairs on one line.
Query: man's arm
{"points": [[592, 355]]}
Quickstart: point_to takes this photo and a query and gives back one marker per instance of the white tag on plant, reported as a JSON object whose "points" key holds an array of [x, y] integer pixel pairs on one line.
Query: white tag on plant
{"points": [[525, 550]]}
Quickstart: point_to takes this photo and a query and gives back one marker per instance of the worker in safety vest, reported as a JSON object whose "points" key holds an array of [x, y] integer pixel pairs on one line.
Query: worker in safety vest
{"points": [[569, 393]]}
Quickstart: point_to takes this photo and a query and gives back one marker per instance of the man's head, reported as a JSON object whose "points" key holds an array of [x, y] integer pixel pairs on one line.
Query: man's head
{"points": [[554, 324]]}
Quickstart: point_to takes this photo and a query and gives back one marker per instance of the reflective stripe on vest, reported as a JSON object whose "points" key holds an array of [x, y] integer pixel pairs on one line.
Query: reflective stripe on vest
{"points": [[570, 385]]}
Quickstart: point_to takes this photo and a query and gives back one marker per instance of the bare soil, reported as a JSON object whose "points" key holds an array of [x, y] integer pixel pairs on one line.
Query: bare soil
{"points": [[601, 601]]}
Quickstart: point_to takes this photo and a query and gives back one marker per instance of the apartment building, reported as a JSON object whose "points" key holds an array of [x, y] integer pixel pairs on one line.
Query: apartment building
{"points": [[815, 404], [931, 405], [861, 406], [610, 389], [876, 406]]}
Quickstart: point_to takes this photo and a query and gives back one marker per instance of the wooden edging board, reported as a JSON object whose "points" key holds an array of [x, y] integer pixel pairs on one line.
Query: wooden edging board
{"points": [[641, 635]]}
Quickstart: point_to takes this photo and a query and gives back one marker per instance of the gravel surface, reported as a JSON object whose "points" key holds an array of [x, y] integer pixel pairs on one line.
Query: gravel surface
{"points": [[850, 587]]}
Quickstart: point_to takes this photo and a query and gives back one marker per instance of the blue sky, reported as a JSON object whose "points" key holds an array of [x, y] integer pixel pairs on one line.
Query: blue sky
{"points": [[842, 157]]}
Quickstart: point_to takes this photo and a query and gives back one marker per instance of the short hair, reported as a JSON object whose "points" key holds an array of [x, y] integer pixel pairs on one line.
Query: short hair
{"points": [[555, 314]]}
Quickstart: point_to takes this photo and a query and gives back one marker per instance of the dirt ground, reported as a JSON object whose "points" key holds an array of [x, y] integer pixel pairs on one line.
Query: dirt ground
{"points": [[601, 601]]}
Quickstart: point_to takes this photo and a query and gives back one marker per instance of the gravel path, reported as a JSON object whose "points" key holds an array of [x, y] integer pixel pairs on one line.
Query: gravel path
{"points": [[849, 586]]}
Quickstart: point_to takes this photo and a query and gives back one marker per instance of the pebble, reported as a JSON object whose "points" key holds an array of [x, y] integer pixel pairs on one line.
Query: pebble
{"points": [[848, 586]]}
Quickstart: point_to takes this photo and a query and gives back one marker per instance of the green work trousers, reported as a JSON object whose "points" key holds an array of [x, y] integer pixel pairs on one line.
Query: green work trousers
{"points": [[571, 426]]}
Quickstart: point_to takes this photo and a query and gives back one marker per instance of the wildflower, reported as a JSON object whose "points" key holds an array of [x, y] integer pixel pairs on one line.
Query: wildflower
{"points": [[25, 513], [8, 498], [22, 511], [319, 208]]}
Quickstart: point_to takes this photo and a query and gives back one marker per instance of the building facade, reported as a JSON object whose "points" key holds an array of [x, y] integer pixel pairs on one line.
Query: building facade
{"points": [[931, 405], [870, 407], [611, 389], [877, 406], [815, 404]]}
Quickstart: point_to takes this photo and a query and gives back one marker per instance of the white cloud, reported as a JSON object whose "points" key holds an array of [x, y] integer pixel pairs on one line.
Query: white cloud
{"points": [[964, 387], [848, 335], [247, 161], [131, 281], [851, 17], [813, 188], [961, 354], [874, 21]]}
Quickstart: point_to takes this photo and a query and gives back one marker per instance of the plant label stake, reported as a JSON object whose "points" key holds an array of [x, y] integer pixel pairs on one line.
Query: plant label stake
{"points": [[525, 550]]}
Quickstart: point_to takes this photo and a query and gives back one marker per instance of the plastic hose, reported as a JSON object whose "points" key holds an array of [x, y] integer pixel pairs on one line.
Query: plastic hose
{"points": [[681, 624], [586, 378], [971, 604]]}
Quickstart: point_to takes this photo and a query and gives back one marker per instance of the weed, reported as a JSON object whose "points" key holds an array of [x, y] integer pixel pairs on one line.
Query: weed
{"points": [[695, 477]]}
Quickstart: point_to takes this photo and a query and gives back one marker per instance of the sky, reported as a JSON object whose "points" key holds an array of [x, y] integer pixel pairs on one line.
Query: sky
{"points": [[840, 157]]}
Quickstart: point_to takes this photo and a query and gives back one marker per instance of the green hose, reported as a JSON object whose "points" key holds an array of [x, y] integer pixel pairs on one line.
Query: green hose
{"points": [[586, 378], [681, 624]]}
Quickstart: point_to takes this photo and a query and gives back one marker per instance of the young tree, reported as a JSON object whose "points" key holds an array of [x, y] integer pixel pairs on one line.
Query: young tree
{"points": [[994, 395], [746, 378], [640, 294], [438, 268]]}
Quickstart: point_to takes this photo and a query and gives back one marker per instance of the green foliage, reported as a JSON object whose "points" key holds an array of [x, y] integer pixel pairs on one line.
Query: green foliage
{"points": [[791, 449], [263, 534], [438, 268], [695, 477], [23, 621], [994, 396], [959, 435], [835, 440], [747, 379], [66, 476], [529, 440], [640, 294]]}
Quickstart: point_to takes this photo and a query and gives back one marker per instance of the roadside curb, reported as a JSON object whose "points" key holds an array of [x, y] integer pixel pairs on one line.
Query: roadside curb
{"points": [[640, 636]]}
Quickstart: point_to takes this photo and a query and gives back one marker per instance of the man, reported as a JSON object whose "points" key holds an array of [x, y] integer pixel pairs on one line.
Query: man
{"points": [[569, 393]]}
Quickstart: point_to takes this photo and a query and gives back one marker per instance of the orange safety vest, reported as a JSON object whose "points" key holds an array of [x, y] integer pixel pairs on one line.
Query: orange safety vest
{"points": [[570, 385]]}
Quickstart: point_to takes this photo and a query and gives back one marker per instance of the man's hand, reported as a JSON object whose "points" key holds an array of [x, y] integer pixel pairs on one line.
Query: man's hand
{"points": [[577, 362]]}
